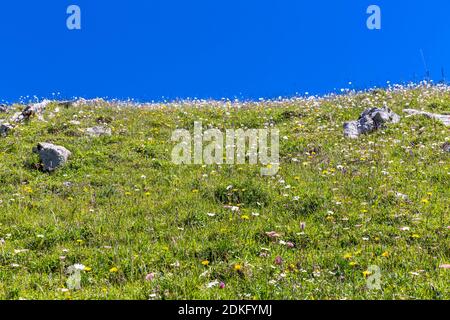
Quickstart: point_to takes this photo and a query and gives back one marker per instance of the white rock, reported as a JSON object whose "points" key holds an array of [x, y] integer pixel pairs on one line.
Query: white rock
{"points": [[98, 131], [52, 156], [445, 119], [369, 121]]}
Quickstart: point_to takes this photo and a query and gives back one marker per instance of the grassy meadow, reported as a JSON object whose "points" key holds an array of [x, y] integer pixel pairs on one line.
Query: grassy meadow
{"points": [[142, 227]]}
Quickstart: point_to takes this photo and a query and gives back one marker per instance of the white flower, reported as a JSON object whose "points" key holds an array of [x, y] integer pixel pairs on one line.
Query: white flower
{"points": [[79, 266], [212, 284], [210, 214]]}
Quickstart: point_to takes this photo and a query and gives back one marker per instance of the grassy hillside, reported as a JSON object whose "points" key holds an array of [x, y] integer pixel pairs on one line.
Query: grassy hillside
{"points": [[122, 209]]}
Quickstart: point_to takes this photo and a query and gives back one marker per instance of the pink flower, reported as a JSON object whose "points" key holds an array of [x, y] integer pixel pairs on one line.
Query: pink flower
{"points": [[222, 285], [150, 276], [290, 245], [278, 260], [445, 266], [303, 226], [272, 234]]}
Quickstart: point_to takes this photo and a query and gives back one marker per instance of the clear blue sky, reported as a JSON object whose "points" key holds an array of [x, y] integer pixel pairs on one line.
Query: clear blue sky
{"points": [[149, 49]]}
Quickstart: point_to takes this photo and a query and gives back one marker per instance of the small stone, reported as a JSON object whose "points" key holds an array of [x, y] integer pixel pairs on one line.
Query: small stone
{"points": [[370, 121], [52, 156], [446, 147], [5, 128], [99, 131], [445, 119]]}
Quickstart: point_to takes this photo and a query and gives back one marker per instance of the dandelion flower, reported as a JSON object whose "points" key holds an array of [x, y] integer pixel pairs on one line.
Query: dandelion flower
{"points": [[113, 270], [205, 263], [366, 273], [237, 267]]}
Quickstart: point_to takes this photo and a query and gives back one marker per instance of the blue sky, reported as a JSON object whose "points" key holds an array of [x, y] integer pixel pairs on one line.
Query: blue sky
{"points": [[150, 49]]}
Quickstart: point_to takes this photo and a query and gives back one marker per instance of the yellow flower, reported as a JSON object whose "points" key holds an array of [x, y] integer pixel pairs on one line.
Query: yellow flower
{"points": [[353, 264], [385, 254], [366, 273], [425, 201], [415, 236], [128, 193], [28, 189], [245, 217], [347, 256], [237, 267], [80, 241], [205, 263], [195, 191], [87, 269], [113, 270], [147, 194]]}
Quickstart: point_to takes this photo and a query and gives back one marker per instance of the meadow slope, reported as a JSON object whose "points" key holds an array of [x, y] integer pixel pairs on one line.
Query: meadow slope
{"points": [[145, 228]]}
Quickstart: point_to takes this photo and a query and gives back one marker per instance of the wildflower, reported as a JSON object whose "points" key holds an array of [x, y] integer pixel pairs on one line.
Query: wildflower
{"points": [[385, 254], [128, 193], [114, 270], [272, 234], [2, 242], [425, 201], [366, 273], [87, 269], [195, 191], [348, 256], [205, 263], [302, 226], [211, 214], [232, 208], [212, 284], [353, 264], [28, 189], [237, 267], [150, 276], [290, 245], [222, 285], [415, 236], [245, 217], [278, 260], [80, 241], [147, 194], [445, 266]]}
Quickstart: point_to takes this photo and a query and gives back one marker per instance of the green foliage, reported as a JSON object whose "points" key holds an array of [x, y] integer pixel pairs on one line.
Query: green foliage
{"points": [[123, 210]]}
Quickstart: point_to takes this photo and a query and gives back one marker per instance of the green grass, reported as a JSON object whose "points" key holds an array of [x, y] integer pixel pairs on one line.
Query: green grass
{"points": [[130, 208]]}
